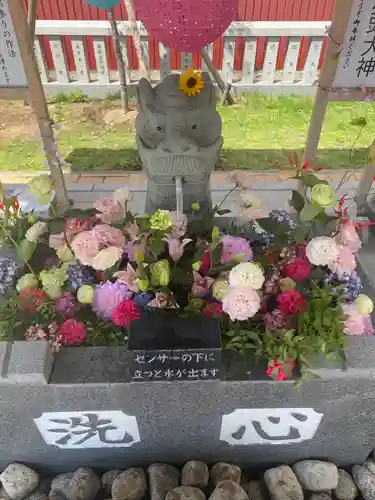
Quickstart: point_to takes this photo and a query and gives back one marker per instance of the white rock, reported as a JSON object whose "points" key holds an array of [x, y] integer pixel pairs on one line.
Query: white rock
{"points": [[365, 482], [282, 484], [222, 471], [315, 475], [346, 489], [19, 481]]}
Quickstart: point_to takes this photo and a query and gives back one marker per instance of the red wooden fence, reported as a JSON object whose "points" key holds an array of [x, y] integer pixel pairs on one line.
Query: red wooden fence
{"points": [[248, 10]]}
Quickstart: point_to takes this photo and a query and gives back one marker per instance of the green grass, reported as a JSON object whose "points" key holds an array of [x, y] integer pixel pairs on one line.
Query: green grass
{"points": [[258, 131]]}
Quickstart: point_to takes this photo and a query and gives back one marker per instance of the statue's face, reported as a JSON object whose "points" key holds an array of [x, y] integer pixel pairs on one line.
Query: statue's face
{"points": [[177, 134]]}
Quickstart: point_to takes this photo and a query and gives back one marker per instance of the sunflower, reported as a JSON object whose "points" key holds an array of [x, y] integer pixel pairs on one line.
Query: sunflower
{"points": [[191, 82]]}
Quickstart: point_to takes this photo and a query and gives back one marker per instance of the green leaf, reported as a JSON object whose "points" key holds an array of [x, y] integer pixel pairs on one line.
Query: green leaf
{"points": [[215, 237], [26, 249], [310, 180], [299, 234], [298, 200], [309, 212], [157, 244]]}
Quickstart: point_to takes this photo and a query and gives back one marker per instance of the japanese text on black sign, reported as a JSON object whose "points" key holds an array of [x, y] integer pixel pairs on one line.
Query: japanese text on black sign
{"points": [[175, 365], [12, 73]]}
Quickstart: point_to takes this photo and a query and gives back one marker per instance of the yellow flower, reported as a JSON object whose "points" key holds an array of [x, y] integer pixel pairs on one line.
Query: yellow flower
{"points": [[85, 294], [287, 284], [364, 304], [27, 281], [219, 288], [65, 254], [107, 258], [323, 195], [191, 82], [161, 220], [196, 265], [143, 284], [160, 273], [195, 206]]}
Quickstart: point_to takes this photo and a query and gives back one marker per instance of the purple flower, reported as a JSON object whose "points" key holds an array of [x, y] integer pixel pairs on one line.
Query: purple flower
{"points": [[235, 249], [108, 296], [275, 320], [66, 304], [131, 248]]}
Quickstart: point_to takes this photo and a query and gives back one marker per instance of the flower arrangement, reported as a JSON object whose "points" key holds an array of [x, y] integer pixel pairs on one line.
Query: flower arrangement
{"points": [[286, 290]]}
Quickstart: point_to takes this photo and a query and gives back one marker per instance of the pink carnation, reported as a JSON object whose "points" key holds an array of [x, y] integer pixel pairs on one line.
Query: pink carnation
{"points": [[234, 246], [241, 303], [110, 209], [72, 332], [109, 236], [348, 237], [357, 324], [344, 262], [275, 320], [108, 296], [86, 247]]}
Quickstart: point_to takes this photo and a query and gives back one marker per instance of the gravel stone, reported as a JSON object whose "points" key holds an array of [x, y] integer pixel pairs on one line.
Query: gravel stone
{"points": [[370, 465], [62, 482], [228, 490], [282, 484], [84, 485], [346, 489], [256, 490], [365, 482], [322, 495], [316, 476], [19, 481], [195, 473], [185, 493], [162, 478], [130, 485], [108, 478], [222, 471]]}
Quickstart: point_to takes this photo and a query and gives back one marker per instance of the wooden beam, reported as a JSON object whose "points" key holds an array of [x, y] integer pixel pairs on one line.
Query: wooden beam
{"points": [[216, 75]]}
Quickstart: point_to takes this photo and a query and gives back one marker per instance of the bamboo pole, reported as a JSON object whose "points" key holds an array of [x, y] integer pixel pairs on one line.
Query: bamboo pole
{"points": [[120, 61], [216, 75], [143, 66], [31, 17]]}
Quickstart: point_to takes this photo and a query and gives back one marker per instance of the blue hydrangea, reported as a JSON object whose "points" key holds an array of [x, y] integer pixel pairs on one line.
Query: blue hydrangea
{"points": [[79, 275], [282, 217], [348, 287], [10, 271]]}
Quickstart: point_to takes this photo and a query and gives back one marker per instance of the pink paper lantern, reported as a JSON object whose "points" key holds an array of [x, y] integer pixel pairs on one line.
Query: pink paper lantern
{"points": [[186, 25]]}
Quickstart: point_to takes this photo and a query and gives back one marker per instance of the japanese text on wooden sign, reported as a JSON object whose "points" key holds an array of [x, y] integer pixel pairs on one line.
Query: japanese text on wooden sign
{"points": [[12, 73], [175, 365], [357, 57]]}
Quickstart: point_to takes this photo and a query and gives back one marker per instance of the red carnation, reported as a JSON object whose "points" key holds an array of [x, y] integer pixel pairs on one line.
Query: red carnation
{"points": [[32, 299], [291, 302], [205, 263], [298, 269], [72, 332], [213, 310], [126, 312]]}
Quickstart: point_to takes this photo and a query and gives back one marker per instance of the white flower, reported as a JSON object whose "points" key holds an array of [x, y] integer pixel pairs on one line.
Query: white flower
{"points": [[322, 251], [35, 232], [107, 258], [122, 195], [248, 200], [246, 274]]}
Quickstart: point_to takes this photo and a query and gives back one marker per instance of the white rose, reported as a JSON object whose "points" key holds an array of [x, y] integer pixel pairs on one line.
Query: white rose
{"points": [[322, 251], [122, 195], [36, 231], [107, 258], [246, 274]]}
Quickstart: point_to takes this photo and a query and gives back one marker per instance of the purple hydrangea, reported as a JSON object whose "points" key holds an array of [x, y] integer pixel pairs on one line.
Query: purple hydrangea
{"points": [[66, 305], [108, 296], [235, 246]]}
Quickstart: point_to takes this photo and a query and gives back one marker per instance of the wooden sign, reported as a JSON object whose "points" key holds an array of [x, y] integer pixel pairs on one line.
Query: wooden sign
{"points": [[12, 73], [357, 56], [20, 79]]}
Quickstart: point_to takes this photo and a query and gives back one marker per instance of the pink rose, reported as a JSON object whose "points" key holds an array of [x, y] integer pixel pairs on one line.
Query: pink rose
{"points": [[357, 324], [85, 247], [344, 262], [348, 236], [110, 209], [241, 303], [109, 236]]}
